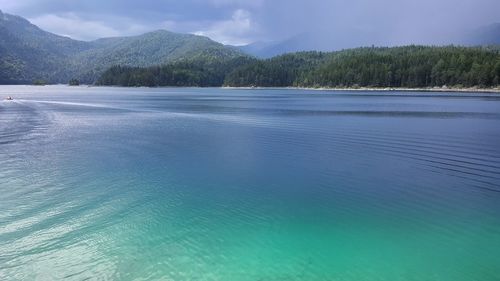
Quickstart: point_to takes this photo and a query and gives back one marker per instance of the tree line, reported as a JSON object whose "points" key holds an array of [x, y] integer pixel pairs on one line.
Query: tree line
{"points": [[184, 73], [409, 66]]}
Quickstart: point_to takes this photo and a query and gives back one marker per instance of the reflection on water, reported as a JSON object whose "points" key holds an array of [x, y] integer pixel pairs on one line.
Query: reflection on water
{"points": [[219, 184]]}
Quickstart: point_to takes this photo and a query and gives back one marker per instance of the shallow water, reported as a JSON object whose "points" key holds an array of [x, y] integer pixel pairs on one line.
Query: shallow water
{"points": [[219, 184]]}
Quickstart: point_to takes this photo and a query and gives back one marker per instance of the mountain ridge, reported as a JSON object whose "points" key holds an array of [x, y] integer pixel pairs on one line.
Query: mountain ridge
{"points": [[28, 53]]}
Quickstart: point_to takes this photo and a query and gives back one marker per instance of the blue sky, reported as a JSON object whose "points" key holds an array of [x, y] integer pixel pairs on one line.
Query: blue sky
{"points": [[346, 22]]}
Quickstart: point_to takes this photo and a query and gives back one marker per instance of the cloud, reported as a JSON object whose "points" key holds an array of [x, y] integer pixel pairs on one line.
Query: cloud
{"points": [[9, 5], [335, 23], [237, 29], [341, 23], [238, 3], [234, 31], [72, 26]]}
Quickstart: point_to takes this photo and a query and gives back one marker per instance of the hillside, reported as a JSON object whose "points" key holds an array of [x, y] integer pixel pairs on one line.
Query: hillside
{"points": [[28, 53], [411, 66]]}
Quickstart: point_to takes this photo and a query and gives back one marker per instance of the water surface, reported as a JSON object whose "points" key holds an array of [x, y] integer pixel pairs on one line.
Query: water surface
{"points": [[219, 184]]}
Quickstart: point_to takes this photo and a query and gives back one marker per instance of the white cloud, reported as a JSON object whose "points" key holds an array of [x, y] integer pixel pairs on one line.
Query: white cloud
{"points": [[336, 22], [240, 3], [72, 26], [234, 31], [12, 6]]}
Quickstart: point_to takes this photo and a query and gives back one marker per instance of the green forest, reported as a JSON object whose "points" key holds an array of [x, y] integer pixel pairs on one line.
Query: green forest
{"points": [[200, 72], [410, 66]]}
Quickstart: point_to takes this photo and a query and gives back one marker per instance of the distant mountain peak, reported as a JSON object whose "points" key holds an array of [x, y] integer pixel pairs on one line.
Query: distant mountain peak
{"points": [[485, 35], [161, 32], [300, 42]]}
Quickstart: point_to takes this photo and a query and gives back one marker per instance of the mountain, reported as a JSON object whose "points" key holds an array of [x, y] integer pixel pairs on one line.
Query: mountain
{"points": [[153, 48], [298, 43], [485, 35], [259, 49], [29, 53]]}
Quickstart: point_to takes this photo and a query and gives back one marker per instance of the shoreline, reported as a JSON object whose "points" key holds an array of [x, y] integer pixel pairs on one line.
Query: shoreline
{"points": [[351, 89], [381, 89]]}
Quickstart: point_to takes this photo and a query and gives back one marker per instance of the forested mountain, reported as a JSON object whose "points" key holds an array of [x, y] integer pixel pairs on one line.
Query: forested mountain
{"points": [[28, 53], [411, 66], [154, 48], [280, 71]]}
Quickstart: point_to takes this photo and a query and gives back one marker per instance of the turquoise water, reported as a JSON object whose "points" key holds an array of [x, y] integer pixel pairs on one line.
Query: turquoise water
{"points": [[219, 184]]}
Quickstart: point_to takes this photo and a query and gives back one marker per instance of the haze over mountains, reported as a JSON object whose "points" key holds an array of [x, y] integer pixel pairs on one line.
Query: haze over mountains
{"points": [[28, 53], [485, 35]]}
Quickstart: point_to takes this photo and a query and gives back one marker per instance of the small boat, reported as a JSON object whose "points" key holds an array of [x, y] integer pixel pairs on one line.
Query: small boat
{"points": [[8, 98]]}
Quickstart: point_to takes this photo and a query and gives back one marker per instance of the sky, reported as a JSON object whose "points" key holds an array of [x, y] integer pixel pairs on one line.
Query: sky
{"points": [[343, 23]]}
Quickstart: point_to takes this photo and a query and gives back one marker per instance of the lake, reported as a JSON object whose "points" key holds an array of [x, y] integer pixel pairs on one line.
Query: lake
{"points": [[233, 184]]}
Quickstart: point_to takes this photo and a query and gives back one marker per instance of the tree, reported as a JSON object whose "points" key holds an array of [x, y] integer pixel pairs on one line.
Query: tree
{"points": [[74, 82]]}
